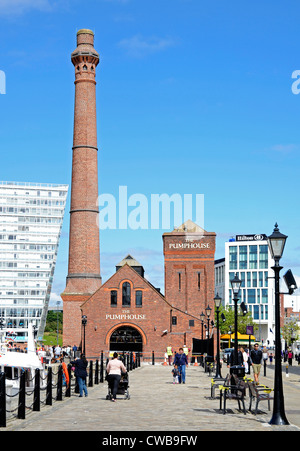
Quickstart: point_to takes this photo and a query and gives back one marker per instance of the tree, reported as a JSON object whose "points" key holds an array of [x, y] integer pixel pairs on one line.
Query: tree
{"points": [[51, 323], [290, 331], [243, 320]]}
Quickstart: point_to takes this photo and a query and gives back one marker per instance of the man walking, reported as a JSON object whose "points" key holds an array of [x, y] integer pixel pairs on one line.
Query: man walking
{"points": [[256, 356], [181, 361]]}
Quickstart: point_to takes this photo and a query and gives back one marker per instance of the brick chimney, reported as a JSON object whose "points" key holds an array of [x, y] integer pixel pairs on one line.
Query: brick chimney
{"points": [[84, 247]]}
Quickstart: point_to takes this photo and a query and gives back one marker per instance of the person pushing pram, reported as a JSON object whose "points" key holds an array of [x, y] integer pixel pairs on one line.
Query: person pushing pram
{"points": [[114, 371]]}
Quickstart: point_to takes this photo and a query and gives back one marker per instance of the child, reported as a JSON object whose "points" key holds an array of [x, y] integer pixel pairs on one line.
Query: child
{"points": [[175, 375]]}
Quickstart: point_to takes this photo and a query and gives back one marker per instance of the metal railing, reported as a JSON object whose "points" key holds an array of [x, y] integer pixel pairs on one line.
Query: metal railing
{"points": [[52, 387]]}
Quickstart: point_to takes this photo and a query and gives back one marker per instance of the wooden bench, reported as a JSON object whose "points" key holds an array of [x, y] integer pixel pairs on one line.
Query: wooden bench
{"points": [[260, 393], [236, 391], [216, 382]]}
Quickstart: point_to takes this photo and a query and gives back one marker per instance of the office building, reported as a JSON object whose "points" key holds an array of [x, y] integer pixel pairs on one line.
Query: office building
{"points": [[249, 257], [31, 217]]}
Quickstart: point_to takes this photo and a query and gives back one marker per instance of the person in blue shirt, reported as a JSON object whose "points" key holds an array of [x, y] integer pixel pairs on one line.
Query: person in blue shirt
{"points": [[181, 361]]}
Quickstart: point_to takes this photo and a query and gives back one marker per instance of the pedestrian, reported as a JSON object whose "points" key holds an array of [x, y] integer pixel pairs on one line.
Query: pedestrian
{"points": [[114, 371], [181, 361], [245, 359], [290, 357], [74, 349], [240, 358], [57, 352], [175, 373], [169, 354], [265, 353], [271, 358], [81, 374], [256, 356]]}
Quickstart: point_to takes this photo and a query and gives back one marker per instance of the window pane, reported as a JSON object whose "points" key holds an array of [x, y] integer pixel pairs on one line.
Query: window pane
{"points": [[263, 257], [126, 294], [243, 257], [251, 296], [253, 257], [138, 298], [233, 257], [113, 298]]}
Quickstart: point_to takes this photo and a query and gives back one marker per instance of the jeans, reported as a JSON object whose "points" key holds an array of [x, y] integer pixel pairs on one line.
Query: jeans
{"points": [[82, 386], [181, 369]]}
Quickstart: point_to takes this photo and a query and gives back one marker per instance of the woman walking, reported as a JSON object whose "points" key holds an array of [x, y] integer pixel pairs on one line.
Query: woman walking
{"points": [[81, 374], [114, 369]]}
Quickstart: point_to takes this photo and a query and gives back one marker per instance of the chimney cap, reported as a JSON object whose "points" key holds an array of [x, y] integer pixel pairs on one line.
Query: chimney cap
{"points": [[85, 31]]}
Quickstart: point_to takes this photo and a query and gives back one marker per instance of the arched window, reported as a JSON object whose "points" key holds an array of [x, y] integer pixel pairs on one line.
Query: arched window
{"points": [[139, 298], [126, 294], [113, 298]]}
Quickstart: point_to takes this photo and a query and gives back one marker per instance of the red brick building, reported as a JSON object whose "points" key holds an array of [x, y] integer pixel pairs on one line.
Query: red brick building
{"points": [[126, 312]]}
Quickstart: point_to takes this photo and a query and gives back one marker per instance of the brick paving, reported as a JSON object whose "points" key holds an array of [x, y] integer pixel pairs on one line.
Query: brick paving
{"points": [[156, 404]]}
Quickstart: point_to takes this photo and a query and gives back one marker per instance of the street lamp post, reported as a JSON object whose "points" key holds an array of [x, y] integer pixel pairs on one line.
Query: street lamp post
{"points": [[84, 322], [208, 312], [218, 301], [236, 285], [202, 316], [276, 243]]}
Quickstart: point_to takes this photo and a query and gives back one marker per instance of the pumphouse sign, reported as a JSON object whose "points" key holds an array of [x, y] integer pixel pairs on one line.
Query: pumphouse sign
{"points": [[189, 245], [126, 316]]}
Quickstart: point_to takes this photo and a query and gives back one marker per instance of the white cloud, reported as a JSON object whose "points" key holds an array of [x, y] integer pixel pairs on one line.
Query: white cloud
{"points": [[17, 7], [139, 46], [54, 299]]}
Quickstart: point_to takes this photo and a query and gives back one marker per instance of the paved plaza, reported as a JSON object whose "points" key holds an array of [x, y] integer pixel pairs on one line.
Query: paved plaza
{"points": [[156, 404]]}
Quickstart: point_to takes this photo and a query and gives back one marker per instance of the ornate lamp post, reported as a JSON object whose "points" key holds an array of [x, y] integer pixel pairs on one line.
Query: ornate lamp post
{"points": [[218, 302], [84, 322], [236, 285], [202, 317], [276, 243], [208, 312]]}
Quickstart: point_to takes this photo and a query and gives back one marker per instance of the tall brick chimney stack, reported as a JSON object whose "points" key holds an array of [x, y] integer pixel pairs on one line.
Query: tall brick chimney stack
{"points": [[84, 248]]}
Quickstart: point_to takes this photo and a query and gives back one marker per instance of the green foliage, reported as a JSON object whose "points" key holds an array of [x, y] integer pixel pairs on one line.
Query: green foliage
{"points": [[243, 321], [290, 332], [51, 322], [50, 335]]}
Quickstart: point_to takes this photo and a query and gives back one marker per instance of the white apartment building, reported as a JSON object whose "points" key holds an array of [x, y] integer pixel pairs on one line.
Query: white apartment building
{"points": [[220, 279], [250, 258], [31, 217]]}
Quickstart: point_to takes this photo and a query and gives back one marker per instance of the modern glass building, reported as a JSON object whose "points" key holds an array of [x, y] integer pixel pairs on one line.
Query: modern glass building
{"points": [[249, 257], [31, 217]]}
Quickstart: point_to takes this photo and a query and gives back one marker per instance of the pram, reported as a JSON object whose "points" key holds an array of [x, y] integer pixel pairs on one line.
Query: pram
{"points": [[122, 388]]}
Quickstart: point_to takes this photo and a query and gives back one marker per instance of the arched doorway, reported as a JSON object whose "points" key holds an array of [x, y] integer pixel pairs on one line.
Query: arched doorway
{"points": [[126, 338]]}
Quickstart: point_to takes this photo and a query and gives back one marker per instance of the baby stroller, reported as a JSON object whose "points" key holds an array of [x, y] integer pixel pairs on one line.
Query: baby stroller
{"points": [[122, 388]]}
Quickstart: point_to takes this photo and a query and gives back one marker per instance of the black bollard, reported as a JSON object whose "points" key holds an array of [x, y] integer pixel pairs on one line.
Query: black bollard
{"points": [[97, 373], [22, 395], [91, 374], [37, 392], [153, 359], [49, 387], [59, 384], [2, 401], [101, 369], [68, 390]]}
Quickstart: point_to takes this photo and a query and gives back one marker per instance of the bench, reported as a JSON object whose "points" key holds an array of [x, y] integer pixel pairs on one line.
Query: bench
{"points": [[236, 391], [260, 393], [216, 382]]}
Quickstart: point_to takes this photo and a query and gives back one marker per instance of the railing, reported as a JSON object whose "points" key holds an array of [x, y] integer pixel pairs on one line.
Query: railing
{"points": [[44, 391]]}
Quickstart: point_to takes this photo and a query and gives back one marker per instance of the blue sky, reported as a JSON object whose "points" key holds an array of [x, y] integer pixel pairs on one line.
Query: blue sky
{"points": [[193, 97]]}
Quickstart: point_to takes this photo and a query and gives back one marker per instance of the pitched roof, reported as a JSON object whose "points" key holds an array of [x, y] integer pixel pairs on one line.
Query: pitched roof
{"points": [[130, 261]]}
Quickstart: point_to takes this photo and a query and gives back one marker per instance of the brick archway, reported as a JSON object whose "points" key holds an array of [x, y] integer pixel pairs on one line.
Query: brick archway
{"points": [[126, 327]]}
